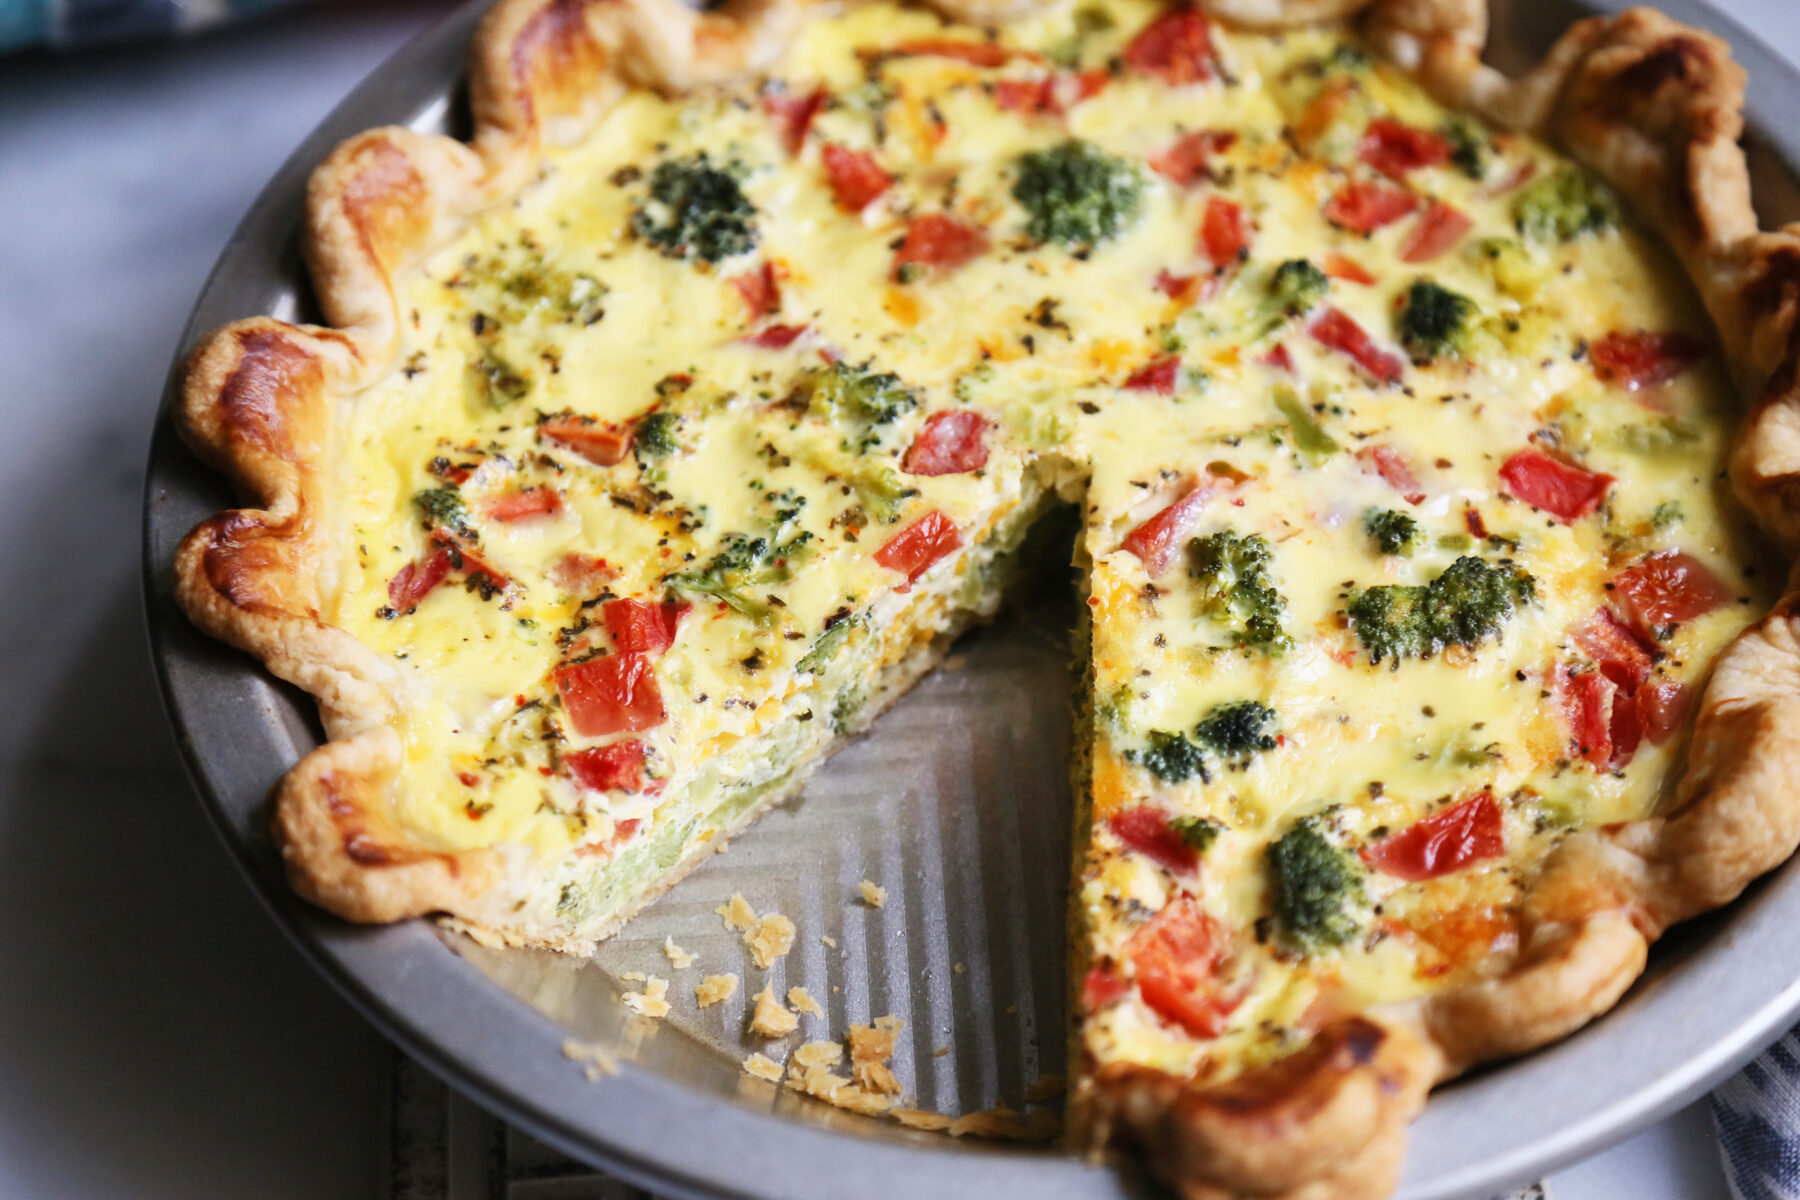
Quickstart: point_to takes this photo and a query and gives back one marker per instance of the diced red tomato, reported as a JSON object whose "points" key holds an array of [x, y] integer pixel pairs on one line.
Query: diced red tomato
{"points": [[1666, 589], [1028, 96], [1365, 207], [1190, 159], [1176, 959], [1662, 706], [1101, 988], [616, 694], [1224, 236], [1184, 289], [1146, 830], [1177, 48], [1157, 376], [774, 337], [1644, 359], [976, 54], [1614, 648], [602, 445], [416, 579], [1394, 147], [856, 178], [914, 549], [1562, 489], [941, 241], [793, 115], [1155, 541], [1280, 358], [1626, 729], [531, 502], [1437, 232], [1335, 330], [1587, 703], [1392, 466], [605, 768], [635, 625], [1339, 267], [1517, 178], [950, 443], [582, 574], [760, 290], [1446, 841]]}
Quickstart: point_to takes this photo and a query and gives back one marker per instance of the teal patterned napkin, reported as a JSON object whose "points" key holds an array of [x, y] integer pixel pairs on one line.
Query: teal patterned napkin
{"points": [[70, 23]]}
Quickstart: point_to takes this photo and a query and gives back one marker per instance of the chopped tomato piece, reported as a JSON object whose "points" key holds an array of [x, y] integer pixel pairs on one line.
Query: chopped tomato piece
{"points": [[1335, 330], [531, 502], [416, 579], [1665, 590], [1190, 159], [1224, 238], [1517, 178], [1365, 207], [635, 625], [1183, 288], [1155, 541], [602, 445], [1587, 702], [914, 549], [1157, 376], [1177, 48], [941, 241], [1028, 96], [1644, 359], [1662, 706], [616, 694], [760, 290], [1279, 358], [1614, 649], [1392, 466], [774, 337], [1438, 230], [1394, 147], [1339, 267], [1562, 489], [582, 574], [605, 768], [1626, 729], [1446, 841], [1102, 987], [976, 54], [1146, 830], [856, 178], [1176, 958], [950, 443], [793, 115]]}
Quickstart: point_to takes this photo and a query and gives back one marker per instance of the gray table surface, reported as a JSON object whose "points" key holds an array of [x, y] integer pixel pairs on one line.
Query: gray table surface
{"points": [[158, 1038]]}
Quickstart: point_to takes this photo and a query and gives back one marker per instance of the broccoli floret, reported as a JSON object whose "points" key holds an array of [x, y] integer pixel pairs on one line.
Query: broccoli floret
{"points": [[492, 382], [1198, 832], [826, 647], [444, 507], [1392, 532], [1564, 206], [1666, 516], [1296, 286], [1235, 590], [857, 393], [880, 491], [1077, 194], [1238, 730], [1310, 437], [1316, 886], [695, 210], [744, 565], [1468, 146], [1465, 605], [655, 434], [1435, 321], [1171, 757]]}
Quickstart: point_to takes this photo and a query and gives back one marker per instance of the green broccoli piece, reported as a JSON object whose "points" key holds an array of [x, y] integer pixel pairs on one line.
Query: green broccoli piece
{"points": [[1468, 146], [842, 391], [1564, 206], [1666, 516], [746, 564], [1198, 832], [1310, 437], [1237, 731], [1077, 194], [1467, 604], [695, 210], [444, 507], [1435, 321], [492, 382], [880, 491], [1171, 757], [826, 647], [655, 435], [1235, 590], [1296, 286], [1316, 887], [1392, 532]]}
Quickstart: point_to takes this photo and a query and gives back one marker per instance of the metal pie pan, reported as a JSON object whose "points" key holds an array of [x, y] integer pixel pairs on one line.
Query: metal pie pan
{"points": [[957, 802]]}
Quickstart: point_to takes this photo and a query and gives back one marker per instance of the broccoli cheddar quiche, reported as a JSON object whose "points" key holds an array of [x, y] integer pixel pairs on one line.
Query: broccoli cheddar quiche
{"points": [[1433, 438]]}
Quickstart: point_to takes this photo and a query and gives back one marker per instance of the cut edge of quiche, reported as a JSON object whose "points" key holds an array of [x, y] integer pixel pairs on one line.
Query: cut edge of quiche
{"points": [[1650, 106]]}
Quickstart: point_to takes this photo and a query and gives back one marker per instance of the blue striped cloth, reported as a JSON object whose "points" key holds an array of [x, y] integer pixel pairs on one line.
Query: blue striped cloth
{"points": [[71, 23], [1757, 1115]]}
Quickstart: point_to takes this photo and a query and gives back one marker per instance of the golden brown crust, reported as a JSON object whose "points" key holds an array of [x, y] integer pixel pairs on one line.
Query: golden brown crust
{"points": [[1653, 107]]}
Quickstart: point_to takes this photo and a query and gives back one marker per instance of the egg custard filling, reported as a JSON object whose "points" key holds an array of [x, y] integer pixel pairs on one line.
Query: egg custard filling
{"points": [[1397, 449]]}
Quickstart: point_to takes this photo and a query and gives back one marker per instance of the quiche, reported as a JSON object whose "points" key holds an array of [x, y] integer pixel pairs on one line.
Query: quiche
{"points": [[1431, 435]]}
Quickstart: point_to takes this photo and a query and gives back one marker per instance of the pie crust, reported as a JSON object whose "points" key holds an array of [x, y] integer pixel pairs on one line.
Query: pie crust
{"points": [[1653, 107]]}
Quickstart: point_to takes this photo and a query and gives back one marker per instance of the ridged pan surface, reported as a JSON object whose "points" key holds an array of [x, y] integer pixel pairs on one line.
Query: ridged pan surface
{"points": [[957, 803]]}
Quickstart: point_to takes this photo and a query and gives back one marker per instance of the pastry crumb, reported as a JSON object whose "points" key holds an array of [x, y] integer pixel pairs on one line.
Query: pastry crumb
{"points": [[716, 989], [940, 1052], [680, 959], [634, 977], [956, 662], [819, 1054], [737, 913], [873, 896], [800, 1000], [958, 968], [870, 1048], [828, 940], [918, 1118], [771, 1019], [769, 939], [1004, 1124], [652, 1001], [1046, 1087], [763, 1067], [597, 1060]]}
